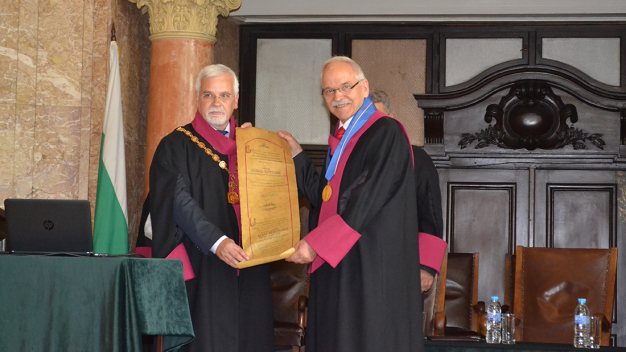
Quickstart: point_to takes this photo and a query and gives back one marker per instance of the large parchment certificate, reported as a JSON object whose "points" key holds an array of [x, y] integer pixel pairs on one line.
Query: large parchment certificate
{"points": [[268, 195]]}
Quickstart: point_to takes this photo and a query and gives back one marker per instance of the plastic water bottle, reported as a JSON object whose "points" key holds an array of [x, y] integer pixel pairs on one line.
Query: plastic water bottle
{"points": [[494, 321], [581, 324]]}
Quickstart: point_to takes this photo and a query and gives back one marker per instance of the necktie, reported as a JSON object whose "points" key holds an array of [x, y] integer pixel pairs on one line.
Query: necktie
{"points": [[222, 132], [340, 132]]}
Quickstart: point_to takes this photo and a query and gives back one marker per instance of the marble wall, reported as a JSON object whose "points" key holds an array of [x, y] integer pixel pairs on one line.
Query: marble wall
{"points": [[53, 80]]}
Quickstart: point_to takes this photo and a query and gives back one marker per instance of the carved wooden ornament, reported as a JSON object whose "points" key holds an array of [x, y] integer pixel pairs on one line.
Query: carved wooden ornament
{"points": [[531, 116]]}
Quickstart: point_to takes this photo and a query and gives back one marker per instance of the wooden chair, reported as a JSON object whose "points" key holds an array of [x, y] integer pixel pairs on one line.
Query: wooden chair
{"points": [[509, 283], [463, 311], [459, 313], [435, 318], [290, 292], [548, 282], [3, 229]]}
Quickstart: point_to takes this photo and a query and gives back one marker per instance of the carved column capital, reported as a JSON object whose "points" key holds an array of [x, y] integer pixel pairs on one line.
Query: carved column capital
{"points": [[190, 19]]}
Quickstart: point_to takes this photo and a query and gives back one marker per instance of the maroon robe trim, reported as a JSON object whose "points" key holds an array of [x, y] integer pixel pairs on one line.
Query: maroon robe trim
{"points": [[432, 250], [333, 143], [145, 251], [180, 253], [333, 238], [224, 145]]}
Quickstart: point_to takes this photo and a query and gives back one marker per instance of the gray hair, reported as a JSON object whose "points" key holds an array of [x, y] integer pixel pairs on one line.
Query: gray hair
{"points": [[216, 70], [357, 69], [378, 96]]}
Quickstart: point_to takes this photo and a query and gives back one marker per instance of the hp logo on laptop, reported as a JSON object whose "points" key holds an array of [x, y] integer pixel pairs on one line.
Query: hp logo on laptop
{"points": [[48, 225]]}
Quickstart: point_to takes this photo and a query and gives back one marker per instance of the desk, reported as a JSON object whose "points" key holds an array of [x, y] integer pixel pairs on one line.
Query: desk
{"points": [[448, 346], [91, 303]]}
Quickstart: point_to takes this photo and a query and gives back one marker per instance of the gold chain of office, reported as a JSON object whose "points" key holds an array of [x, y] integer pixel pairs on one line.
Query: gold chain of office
{"points": [[233, 197]]}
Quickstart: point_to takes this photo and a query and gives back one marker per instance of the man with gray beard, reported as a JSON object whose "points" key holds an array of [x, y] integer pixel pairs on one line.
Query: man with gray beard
{"points": [[194, 201]]}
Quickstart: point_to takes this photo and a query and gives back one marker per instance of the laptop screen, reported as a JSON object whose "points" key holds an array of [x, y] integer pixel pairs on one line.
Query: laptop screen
{"points": [[48, 226]]}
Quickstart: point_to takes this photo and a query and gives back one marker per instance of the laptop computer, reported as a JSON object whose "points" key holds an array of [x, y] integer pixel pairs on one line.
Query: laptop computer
{"points": [[48, 226]]}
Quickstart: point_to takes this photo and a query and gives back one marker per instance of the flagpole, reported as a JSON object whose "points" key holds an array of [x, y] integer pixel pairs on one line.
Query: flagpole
{"points": [[111, 215]]}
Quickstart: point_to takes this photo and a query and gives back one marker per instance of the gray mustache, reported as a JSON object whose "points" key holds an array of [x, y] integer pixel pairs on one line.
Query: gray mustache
{"points": [[334, 104], [217, 109]]}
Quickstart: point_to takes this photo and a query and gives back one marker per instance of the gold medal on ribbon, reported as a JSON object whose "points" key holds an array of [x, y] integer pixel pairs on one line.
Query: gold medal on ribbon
{"points": [[327, 193], [233, 198]]}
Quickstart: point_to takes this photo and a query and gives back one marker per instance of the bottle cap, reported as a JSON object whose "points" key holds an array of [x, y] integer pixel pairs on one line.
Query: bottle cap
{"points": [[582, 300], [494, 298]]}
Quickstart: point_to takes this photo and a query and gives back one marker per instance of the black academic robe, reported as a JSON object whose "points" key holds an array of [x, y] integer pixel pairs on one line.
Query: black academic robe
{"points": [[230, 312], [371, 301], [428, 194], [429, 213]]}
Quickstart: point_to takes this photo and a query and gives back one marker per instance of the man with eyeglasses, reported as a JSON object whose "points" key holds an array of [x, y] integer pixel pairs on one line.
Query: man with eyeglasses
{"points": [[363, 249], [193, 201]]}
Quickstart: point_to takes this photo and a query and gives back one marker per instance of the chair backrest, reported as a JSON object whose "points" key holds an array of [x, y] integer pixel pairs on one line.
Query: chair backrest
{"points": [[434, 301], [462, 291], [548, 283], [289, 282], [509, 283], [3, 229]]}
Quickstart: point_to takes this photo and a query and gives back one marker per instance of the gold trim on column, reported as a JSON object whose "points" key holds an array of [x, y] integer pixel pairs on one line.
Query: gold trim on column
{"points": [[182, 35], [188, 19]]}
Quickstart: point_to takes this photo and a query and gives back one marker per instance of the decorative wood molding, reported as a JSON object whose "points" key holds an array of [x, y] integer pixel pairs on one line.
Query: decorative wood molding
{"points": [[509, 188], [531, 116], [609, 189], [187, 19], [433, 126], [622, 132]]}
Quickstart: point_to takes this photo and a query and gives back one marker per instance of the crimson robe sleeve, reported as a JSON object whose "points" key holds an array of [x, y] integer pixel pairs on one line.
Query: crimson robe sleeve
{"points": [[376, 170]]}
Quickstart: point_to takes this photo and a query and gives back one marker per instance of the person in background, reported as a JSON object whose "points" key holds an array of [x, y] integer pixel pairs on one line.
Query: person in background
{"points": [[362, 248], [429, 213], [193, 200]]}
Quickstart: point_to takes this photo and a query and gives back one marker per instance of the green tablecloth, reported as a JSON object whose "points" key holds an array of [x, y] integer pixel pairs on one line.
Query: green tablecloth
{"points": [[447, 346], [91, 303]]}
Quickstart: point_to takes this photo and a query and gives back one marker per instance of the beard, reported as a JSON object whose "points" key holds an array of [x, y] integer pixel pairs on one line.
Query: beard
{"points": [[216, 120]]}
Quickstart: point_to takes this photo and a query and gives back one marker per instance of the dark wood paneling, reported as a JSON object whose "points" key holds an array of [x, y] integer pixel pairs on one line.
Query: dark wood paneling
{"points": [[622, 132], [433, 126], [581, 215], [481, 218]]}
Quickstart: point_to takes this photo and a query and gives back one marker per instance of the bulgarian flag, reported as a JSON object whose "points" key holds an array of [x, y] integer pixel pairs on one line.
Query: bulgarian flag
{"points": [[110, 233]]}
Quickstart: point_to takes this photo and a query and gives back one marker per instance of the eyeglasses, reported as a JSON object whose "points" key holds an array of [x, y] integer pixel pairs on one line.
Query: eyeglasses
{"points": [[345, 89], [220, 97]]}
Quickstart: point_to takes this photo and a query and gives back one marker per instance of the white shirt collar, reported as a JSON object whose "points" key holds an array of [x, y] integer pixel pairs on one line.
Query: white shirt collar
{"points": [[345, 125]]}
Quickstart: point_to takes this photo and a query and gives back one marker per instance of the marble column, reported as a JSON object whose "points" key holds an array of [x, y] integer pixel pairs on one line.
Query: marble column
{"points": [[182, 33]]}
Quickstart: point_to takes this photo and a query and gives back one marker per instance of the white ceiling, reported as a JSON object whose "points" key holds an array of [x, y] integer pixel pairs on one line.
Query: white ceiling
{"points": [[269, 11]]}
